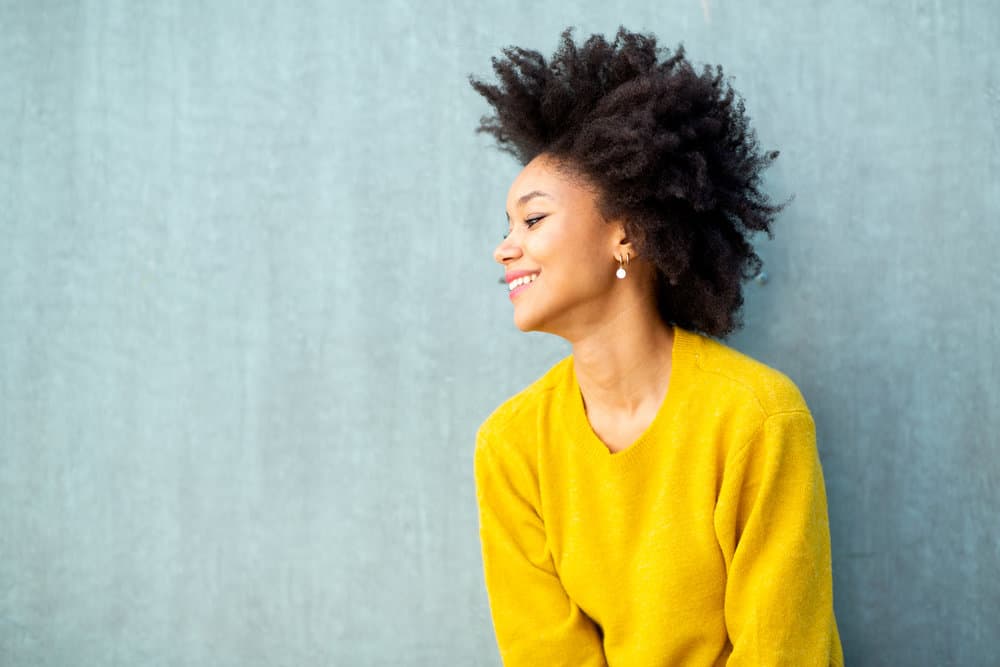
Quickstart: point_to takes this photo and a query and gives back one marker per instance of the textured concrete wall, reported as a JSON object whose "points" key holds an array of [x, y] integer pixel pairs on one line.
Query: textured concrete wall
{"points": [[249, 321]]}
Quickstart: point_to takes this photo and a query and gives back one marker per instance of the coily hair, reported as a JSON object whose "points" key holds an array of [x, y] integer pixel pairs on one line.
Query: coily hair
{"points": [[668, 148]]}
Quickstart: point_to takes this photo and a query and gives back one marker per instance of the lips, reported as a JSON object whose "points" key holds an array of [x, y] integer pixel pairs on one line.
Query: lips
{"points": [[513, 275], [518, 281]]}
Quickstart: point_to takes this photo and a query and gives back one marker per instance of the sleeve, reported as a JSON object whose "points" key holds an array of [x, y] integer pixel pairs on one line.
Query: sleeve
{"points": [[535, 621], [771, 522]]}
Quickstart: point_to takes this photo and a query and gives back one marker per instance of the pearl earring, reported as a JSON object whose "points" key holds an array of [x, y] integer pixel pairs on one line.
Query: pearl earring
{"points": [[622, 263]]}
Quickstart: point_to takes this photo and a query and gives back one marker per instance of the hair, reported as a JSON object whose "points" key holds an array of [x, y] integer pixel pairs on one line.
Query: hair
{"points": [[668, 148]]}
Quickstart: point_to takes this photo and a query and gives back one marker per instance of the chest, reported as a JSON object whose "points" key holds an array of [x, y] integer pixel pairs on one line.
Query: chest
{"points": [[618, 433], [623, 544]]}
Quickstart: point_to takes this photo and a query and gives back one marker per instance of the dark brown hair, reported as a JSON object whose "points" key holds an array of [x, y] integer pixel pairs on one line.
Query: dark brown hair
{"points": [[669, 149]]}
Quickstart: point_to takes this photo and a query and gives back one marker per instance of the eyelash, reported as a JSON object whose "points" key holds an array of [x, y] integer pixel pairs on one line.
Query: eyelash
{"points": [[529, 222]]}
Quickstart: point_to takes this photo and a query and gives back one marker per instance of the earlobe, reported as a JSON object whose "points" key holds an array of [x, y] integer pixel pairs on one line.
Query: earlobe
{"points": [[624, 254]]}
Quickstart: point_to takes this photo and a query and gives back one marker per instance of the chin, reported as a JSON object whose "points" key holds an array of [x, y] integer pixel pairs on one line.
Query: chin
{"points": [[534, 323], [524, 324], [525, 321]]}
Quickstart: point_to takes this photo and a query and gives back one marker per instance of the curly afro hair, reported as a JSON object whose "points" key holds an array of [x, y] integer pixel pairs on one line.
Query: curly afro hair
{"points": [[668, 148]]}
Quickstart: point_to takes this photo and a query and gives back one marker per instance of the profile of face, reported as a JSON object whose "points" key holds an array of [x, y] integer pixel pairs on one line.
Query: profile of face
{"points": [[559, 254]]}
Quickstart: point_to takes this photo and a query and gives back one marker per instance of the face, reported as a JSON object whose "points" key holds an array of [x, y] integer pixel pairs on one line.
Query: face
{"points": [[559, 253]]}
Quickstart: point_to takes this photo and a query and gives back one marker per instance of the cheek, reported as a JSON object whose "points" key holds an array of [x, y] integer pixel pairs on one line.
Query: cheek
{"points": [[581, 269], [589, 254], [544, 249], [567, 247]]}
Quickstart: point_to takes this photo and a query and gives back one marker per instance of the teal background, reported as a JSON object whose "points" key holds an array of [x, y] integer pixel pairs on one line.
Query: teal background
{"points": [[249, 319]]}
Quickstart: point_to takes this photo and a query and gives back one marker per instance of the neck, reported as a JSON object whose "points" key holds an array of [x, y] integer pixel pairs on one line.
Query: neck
{"points": [[623, 366]]}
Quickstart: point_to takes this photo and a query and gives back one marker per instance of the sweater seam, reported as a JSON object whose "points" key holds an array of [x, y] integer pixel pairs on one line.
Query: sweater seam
{"points": [[741, 453], [748, 387], [513, 412]]}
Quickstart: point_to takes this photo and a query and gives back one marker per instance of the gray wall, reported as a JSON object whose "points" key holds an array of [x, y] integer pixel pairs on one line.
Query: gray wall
{"points": [[249, 320]]}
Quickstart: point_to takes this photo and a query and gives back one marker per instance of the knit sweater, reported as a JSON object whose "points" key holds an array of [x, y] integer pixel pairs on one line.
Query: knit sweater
{"points": [[705, 542]]}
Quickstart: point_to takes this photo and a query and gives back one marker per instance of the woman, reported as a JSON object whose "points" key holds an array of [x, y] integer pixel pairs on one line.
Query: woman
{"points": [[655, 498]]}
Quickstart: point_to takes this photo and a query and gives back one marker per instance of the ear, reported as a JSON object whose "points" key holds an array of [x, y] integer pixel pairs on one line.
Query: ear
{"points": [[623, 243]]}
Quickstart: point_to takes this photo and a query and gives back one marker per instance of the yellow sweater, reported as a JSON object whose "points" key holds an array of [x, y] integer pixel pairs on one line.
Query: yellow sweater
{"points": [[705, 542]]}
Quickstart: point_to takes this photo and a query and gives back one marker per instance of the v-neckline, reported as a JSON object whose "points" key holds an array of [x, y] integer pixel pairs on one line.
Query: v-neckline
{"points": [[680, 359]]}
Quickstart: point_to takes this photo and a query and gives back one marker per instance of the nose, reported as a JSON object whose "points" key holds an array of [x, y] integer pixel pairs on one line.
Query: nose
{"points": [[507, 250]]}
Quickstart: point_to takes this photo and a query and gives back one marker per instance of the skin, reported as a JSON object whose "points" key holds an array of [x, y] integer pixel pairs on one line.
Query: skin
{"points": [[621, 346]]}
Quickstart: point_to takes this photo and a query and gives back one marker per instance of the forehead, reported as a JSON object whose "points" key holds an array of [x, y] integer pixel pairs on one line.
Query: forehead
{"points": [[541, 175]]}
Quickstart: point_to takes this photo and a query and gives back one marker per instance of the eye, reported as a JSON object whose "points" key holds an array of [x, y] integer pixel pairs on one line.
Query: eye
{"points": [[528, 222]]}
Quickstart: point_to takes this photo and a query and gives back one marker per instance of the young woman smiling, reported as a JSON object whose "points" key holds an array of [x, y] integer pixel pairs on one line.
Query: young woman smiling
{"points": [[656, 497]]}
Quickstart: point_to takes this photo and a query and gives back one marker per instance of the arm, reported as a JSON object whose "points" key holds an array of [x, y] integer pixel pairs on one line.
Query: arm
{"points": [[772, 525], [535, 621]]}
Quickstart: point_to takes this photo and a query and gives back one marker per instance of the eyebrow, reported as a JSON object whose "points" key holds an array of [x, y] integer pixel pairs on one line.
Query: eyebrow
{"points": [[523, 199]]}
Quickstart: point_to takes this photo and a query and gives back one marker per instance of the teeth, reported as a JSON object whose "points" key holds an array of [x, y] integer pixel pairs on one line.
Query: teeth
{"points": [[517, 282]]}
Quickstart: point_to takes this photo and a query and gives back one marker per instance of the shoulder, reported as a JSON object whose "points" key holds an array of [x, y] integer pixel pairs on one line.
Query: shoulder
{"points": [[522, 410], [731, 374], [758, 410]]}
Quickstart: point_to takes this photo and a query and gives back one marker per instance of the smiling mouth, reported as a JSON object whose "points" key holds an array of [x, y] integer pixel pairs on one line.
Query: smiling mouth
{"points": [[518, 285]]}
